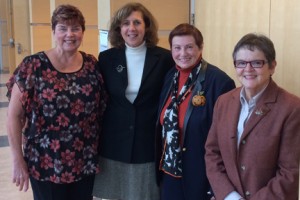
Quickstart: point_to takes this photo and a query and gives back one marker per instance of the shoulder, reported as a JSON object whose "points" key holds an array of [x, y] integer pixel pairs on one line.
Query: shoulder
{"points": [[158, 50], [111, 54], [216, 72], [88, 57], [288, 98], [217, 77], [31, 63], [232, 94], [229, 98], [274, 94], [162, 54], [37, 56], [112, 51], [161, 57]]}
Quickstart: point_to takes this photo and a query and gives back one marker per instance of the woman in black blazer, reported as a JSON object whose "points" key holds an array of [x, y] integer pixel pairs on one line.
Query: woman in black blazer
{"points": [[133, 72]]}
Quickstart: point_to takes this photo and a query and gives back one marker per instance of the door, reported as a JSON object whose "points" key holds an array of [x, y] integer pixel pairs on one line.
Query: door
{"points": [[5, 31]]}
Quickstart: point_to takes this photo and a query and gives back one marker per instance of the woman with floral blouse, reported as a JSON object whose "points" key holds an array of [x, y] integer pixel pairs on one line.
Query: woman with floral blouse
{"points": [[56, 103]]}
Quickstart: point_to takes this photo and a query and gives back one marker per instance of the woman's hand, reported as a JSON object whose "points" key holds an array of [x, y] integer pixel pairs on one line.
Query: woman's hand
{"points": [[20, 175]]}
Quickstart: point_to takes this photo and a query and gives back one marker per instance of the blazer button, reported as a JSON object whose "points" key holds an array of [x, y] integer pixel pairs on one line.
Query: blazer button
{"points": [[243, 167], [247, 193], [183, 149], [244, 142]]}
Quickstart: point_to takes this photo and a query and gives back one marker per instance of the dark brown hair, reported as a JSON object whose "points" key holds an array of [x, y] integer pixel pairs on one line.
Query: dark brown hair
{"points": [[151, 26], [252, 41], [66, 13], [187, 29]]}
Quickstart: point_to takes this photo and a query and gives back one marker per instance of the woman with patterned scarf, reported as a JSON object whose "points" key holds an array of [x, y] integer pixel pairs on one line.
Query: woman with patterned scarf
{"points": [[185, 114]]}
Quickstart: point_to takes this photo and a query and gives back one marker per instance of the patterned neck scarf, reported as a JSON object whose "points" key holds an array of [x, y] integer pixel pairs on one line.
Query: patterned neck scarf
{"points": [[171, 162]]}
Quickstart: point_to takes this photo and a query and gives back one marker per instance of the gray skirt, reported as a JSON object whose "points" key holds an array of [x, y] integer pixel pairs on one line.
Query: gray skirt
{"points": [[118, 180]]}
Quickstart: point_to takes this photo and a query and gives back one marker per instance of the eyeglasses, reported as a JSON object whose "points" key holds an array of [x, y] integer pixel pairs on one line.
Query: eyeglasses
{"points": [[253, 63]]}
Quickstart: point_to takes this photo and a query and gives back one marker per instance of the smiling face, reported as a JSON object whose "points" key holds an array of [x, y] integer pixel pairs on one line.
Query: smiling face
{"points": [[68, 37], [185, 52], [133, 29], [254, 79]]}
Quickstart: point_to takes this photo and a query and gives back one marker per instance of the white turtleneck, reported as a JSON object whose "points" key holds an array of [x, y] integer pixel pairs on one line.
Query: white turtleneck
{"points": [[135, 57]]}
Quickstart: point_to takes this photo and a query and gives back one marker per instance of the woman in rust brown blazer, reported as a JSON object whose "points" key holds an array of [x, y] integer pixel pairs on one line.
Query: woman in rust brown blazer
{"points": [[253, 147]]}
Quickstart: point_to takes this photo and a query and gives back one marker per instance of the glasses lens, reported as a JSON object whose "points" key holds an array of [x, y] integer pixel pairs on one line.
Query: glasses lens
{"points": [[257, 63], [254, 63], [240, 64]]}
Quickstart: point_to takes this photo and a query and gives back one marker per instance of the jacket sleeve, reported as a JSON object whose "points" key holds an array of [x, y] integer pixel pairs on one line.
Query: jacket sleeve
{"points": [[215, 169]]}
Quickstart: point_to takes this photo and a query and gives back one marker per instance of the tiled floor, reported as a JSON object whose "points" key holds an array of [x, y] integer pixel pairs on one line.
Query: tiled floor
{"points": [[7, 189]]}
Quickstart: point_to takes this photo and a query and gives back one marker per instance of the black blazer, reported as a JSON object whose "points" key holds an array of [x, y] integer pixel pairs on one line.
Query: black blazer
{"points": [[129, 128]]}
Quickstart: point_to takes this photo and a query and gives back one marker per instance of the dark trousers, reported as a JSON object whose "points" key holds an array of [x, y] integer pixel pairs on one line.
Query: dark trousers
{"points": [[46, 190]]}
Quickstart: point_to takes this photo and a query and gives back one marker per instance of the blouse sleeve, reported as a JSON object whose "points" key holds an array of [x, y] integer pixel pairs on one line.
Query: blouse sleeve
{"points": [[24, 76]]}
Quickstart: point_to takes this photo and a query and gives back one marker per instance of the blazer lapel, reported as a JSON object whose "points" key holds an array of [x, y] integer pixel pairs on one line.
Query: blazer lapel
{"points": [[232, 127], [234, 107], [258, 114], [150, 61], [198, 87], [261, 110], [120, 68]]}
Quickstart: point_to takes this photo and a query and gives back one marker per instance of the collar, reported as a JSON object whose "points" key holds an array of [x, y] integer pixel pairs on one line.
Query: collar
{"points": [[254, 99]]}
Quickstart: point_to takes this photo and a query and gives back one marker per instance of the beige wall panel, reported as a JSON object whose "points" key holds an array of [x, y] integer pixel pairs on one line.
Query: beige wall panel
{"points": [[285, 32], [41, 34], [40, 11], [88, 8], [103, 14], [223, 23], [90, 42], [40, 25], [163, 41], [42, 38], [3, 9], [168, 13]]}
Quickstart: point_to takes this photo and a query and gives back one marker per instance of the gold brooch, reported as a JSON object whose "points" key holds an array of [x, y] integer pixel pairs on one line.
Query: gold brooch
{"points": [[199, 99]]}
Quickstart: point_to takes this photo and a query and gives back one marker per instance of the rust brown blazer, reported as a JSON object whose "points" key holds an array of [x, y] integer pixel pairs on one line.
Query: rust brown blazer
{"points": [[266, 165]]}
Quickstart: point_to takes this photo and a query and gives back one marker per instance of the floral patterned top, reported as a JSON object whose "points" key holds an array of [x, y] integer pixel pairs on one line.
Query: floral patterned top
{"points": [[63, 112]]}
